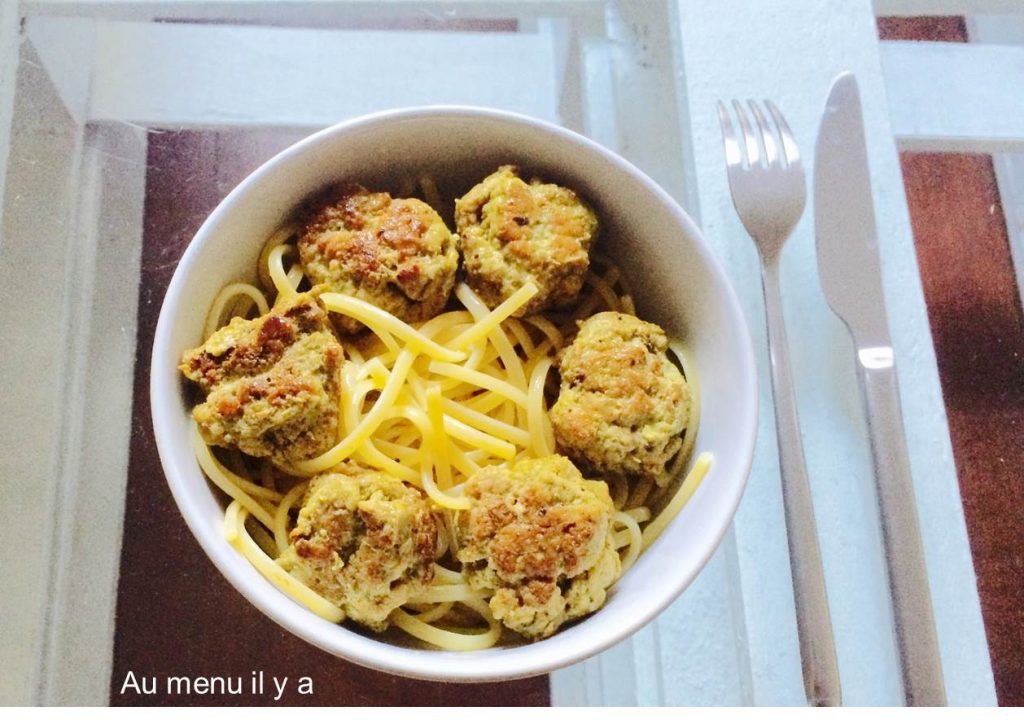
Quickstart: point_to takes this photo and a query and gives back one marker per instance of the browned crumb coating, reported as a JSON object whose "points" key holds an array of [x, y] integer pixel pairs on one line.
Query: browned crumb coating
{"points": [[396, 253], [515, 232], [538, 536], [363, 540], [623, 405], [271, 383]]}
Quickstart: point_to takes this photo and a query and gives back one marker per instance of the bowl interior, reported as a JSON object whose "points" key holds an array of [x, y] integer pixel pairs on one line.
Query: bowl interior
{"points": [[677, 283]]}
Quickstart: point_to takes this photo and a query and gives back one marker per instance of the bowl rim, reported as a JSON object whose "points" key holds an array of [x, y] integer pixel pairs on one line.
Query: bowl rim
{"points": [[515, 662]]}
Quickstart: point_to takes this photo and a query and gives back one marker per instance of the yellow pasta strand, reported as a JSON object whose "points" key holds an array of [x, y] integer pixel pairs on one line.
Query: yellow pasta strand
{"points": [[465, 464], [513, 365], [295, 275], [263, 264], [431, 404], [263, 539], [375, 318], [693, 421], [472, 436], [522, 336], [640, 514], [550, 330], [442, 499], [439, 447], [277, 575], [448, 639], [275, 263], [231, 292], [483, 327], [605, 291], [446, 325], [439, 453], [481, 380], [434, 613], [541, 432], [453, 592], [226, 480], [402, 453], [281, 515], [370, 422], [675, 505], [444, 576], [485, 423], [635, 538], [372, 456], [231, 521]]}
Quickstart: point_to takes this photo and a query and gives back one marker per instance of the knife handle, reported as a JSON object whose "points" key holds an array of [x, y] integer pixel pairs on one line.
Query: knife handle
{"points": [[916, 640], [813, 621]]}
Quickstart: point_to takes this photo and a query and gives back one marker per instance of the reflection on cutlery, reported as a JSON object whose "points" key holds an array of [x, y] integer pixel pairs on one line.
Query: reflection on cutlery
{"points": [[850, 272], [767, 183]]}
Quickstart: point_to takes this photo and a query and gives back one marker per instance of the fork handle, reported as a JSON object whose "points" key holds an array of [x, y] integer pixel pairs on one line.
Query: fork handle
{"points": [[813, 621], [916, 638]]}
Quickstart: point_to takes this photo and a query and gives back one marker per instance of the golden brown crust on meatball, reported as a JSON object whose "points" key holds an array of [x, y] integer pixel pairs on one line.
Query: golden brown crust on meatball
{"points": [[271, 383], [513, 233], [363, 540], [396, 253], [538, 536], [247, 347], [623, 405]]}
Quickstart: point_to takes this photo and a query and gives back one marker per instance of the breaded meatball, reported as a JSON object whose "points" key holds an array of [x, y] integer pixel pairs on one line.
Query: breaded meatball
{"points": [[396, 253], [363, 540], [623, 405], [538, 536], [271, 383], [513, 233]]}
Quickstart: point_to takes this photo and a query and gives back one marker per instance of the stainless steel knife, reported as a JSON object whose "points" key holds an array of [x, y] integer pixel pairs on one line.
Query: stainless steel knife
{"points": [[850, 272]]}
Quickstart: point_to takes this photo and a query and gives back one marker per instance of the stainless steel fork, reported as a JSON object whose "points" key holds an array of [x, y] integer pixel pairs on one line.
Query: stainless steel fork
{"points": [[767, 183]]}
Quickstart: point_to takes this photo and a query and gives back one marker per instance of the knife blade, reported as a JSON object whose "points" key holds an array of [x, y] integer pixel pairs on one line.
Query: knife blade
{"points": [[851, 277]]}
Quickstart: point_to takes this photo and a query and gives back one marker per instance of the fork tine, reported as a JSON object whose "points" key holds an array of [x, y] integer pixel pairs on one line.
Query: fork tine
{"points": [[750, 140], [785, 134], [733, 153], [771, 153]]}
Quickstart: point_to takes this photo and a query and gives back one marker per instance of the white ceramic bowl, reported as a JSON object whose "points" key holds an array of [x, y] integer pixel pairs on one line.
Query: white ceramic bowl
{"points": [[678, 284]]}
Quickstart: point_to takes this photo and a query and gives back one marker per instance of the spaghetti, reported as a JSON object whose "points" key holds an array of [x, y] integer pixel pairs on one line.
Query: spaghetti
{"points": [[431, 404]]}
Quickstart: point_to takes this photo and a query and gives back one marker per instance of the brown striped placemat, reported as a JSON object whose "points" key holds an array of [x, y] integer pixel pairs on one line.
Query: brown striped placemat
{"points": [[176, 615], [977, 325]]}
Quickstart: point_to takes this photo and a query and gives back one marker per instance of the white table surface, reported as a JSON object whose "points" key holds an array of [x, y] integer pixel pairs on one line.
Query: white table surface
{"points": [[739, 613]]}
